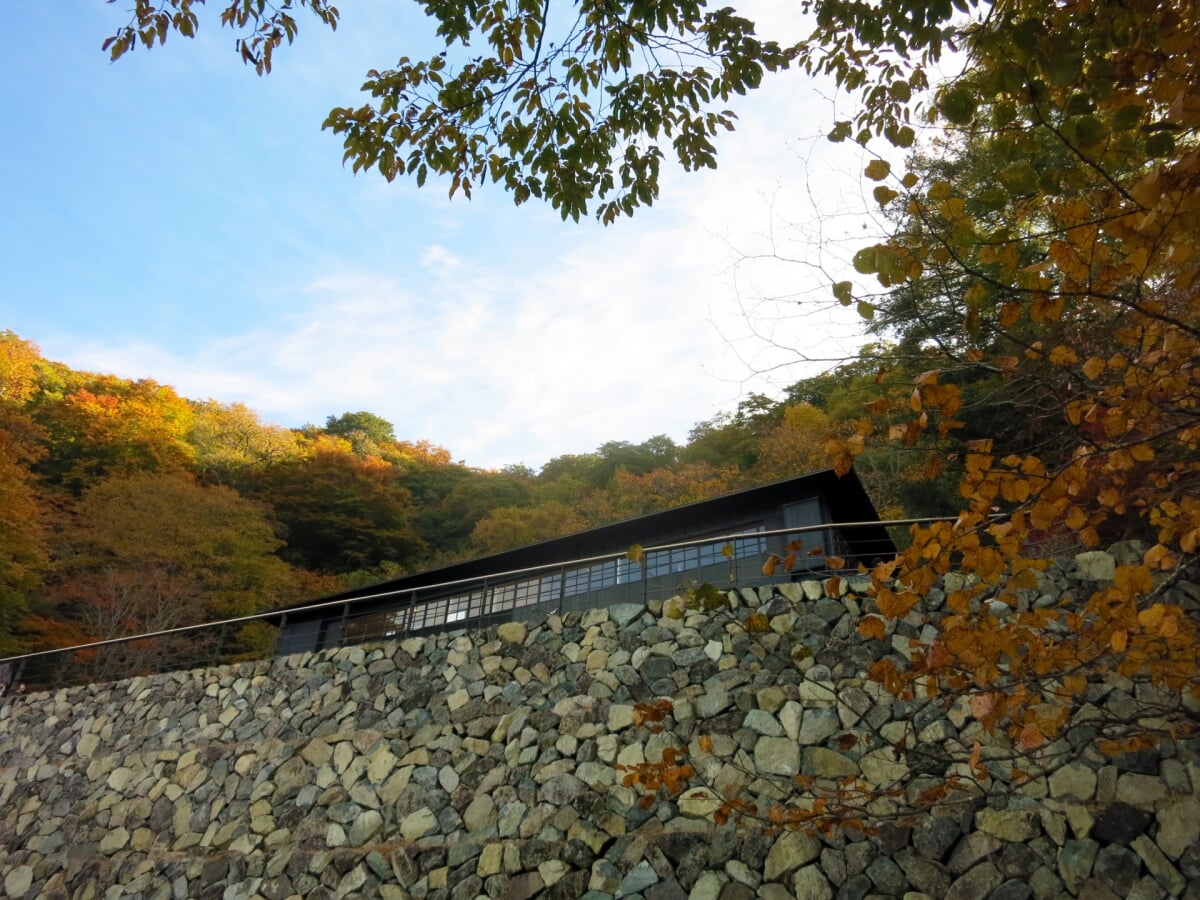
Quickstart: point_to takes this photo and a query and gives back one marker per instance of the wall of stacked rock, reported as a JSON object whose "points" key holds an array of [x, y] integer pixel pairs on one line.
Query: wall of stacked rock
{"points": [[493, 764]]}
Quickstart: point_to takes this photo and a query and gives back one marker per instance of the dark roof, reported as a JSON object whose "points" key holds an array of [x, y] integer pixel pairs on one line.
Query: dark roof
{"points": [[844, 496]]}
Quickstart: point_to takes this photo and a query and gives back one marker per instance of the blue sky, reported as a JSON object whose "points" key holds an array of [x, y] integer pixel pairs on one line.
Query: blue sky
{"points": [[174, 216]]}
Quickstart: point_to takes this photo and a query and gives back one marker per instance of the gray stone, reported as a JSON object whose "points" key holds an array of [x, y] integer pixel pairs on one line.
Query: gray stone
{"points": [[1095, 889], [365, 827], [926, 876], [976, 884], [973, 848], [1075, 862], [777, 756], [887, 877], [1009, 825], [1178, 826], [1118, 867], [1012, 890], [1076, 780], [933, 836], [638, 880], [791, 850], [1158, 865], [17, 881], [821, 762], [809, 884], [561, 790], [817, 725], [763, 723]]}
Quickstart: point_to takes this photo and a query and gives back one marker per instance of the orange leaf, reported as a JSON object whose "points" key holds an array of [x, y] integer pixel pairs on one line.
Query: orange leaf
{"points": [[981, 705], [706, 743], [1119, 640], [1031, 736], [975, 761], [872, 627]]}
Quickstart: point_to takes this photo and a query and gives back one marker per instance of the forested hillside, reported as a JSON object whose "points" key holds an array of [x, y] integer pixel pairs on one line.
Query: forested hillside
{"points": [[125, 507]]}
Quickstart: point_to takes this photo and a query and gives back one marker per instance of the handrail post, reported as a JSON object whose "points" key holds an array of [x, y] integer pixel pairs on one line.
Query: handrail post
{"points": [[341, 641], [216, 654]]}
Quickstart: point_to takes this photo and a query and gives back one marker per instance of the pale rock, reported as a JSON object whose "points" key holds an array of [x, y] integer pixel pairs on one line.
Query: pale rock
{"points": [[810, 884], [708, 886], [791, 850], [812, 590], [620, 717], [1178, 826], [699, 803], [511, 632], [491, 860], [791, 715], [1075, 780], [762, 722], [418, 824], [1140, 790], [115, 839], [1011, 825], [1096, 565], [880, 767], [777, 756]]}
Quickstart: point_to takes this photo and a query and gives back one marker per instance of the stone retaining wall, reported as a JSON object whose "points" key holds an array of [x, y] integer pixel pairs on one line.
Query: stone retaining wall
{"points": [[484, 764]]}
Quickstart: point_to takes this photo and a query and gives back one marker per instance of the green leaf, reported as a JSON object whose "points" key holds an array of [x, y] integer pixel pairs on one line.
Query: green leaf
{"points": [[865, 260], [840, 132], [1161, 143], [1127, 117], [903, 136], [957, 105], [866, 310], [843, 291], [1020, 177]]}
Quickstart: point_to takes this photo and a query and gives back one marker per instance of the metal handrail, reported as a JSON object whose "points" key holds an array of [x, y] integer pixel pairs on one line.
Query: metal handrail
{"points": [[22, 659]]}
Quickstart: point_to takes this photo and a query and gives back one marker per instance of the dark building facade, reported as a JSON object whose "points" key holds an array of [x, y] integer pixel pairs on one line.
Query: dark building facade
{"points": [[723, 540]]}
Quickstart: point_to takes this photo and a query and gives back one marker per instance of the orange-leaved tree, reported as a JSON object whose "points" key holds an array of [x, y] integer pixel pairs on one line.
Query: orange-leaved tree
{"points": [[1062, 252], [1044, 259]]}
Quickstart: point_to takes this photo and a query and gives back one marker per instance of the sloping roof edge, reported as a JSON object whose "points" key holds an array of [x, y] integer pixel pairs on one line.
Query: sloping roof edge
{"points": [[848, 502]]}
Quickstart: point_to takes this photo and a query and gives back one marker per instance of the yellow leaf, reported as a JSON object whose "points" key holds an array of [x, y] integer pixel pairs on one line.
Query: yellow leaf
{"points": [[878, 169], [1062, 355], [1119, 641], [1151, 617], [1142, 452]]}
